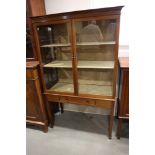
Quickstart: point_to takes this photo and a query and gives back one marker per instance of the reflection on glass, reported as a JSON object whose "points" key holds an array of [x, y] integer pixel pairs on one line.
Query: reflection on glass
{"points": [[91, 33], [96, 31], [95, 54], [56, 56]]}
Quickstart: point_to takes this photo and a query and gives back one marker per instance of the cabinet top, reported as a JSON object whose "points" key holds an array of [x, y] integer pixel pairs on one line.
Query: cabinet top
{"points": [[124, 62], [32, 64], [83, 13]]}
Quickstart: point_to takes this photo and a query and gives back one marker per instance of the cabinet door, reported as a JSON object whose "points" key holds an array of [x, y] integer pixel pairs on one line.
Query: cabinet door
{"points": [[95, 52], [56, 56]]}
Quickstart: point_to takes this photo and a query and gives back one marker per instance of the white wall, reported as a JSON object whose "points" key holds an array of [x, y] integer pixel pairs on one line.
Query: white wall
{"points": [[57, 6]]}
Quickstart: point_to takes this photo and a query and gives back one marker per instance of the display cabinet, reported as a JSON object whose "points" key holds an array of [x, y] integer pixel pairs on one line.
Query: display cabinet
{"points": [[78, 54]]}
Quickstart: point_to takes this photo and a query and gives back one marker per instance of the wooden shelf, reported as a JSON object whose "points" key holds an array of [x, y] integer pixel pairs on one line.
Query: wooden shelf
{"points": [[83, 88], [56, 45], [82, 64], [96, 43], [87, 82], [81, 44], [59, 64], [96, 64], [63, 87], [95, 89]]}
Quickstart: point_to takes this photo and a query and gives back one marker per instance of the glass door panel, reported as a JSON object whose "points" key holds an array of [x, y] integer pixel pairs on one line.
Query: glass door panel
{"points": [[95, 41], [56, 55]]}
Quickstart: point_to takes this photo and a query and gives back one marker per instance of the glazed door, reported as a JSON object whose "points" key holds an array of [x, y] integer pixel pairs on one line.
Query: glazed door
{"points": [[56, 56], [95, 52]]}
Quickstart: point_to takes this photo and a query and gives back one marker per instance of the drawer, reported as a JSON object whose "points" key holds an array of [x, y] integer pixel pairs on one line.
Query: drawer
{"points": [[65, 99], [84, 101], [104, 103], [77, 100], [53, 98]]}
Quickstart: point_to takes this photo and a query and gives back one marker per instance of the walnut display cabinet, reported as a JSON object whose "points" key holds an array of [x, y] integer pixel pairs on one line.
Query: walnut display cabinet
{"points": [[78, 54]]}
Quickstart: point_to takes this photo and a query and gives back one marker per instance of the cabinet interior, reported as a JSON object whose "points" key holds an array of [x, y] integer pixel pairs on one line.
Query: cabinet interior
{"points": [[95, 44]]}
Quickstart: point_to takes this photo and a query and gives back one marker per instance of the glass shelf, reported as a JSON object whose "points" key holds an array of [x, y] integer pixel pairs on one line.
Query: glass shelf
{"points": [[95, 43], [82, 64], [56, 45]]}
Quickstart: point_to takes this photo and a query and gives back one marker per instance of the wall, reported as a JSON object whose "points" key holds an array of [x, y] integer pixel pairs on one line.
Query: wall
{"points": [[58, 6]]}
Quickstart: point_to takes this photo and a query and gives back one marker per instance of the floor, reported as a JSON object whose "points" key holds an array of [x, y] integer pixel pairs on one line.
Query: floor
{"points": [[77, 134]]}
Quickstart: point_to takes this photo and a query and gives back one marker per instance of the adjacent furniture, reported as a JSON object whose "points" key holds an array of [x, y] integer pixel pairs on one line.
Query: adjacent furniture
{"points": [[35, 109], [78, 54], [123, 100], [33, 8]]}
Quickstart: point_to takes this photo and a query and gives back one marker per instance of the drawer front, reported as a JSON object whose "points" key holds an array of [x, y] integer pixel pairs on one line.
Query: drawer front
{"points": [[105, 104], [81, 101], [53, 98], [65, 99], [77, 100], [84, 101]]}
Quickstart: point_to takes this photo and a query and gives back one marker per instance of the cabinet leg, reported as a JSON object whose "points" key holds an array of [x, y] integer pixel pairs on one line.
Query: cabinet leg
{"points": [[45, 129], [62, 108], [111, 119], [50, 112], [52, 120], [119, 127]]}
